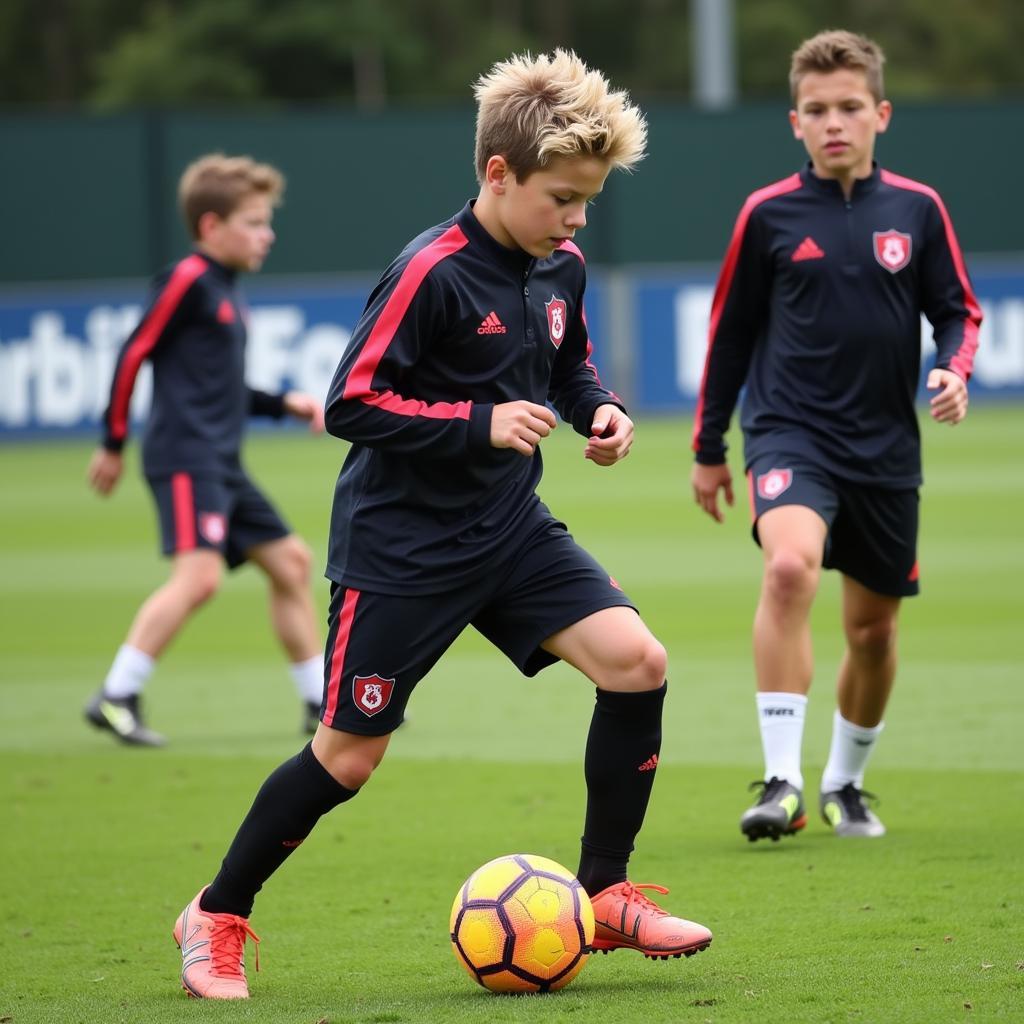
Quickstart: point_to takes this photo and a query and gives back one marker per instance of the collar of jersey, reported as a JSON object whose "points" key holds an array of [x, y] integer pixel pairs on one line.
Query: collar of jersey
{"points": [[218, 268], [515, 260], [831, 187]]}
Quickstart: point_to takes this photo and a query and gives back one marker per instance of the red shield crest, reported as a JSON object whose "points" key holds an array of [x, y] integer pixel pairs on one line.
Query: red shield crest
{"points": [[892, 249], [771, 484], [556, 320], [371, 693], [213, 526]]}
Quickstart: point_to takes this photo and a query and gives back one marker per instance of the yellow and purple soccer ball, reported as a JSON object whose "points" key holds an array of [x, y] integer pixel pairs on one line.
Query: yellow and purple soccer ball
{"points": [[522, 923]]}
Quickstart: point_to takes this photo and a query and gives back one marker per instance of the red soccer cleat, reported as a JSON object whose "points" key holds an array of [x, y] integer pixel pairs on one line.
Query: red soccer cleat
{"points": [[211, 952], [627, 919]]}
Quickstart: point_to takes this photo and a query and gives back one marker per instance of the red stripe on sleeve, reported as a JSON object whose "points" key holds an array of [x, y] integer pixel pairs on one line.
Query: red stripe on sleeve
{"points": [[147, 334], [360, 379], [963, 362], [184, 513], [728, 271], [345, 618]]}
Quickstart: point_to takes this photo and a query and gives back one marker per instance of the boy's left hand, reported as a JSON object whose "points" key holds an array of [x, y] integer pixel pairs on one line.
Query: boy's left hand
{"points": [[950, 404], [611, 436], [305, 407]]}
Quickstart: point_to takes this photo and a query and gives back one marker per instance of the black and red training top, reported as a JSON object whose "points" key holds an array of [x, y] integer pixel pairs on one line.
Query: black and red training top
{"points": [[193, 332], [818, 310], [457, 324]]}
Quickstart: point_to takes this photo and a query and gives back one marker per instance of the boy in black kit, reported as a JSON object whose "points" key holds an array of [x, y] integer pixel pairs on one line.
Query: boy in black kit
{"points": [[436, 523], [817, 311], [194, 333]]}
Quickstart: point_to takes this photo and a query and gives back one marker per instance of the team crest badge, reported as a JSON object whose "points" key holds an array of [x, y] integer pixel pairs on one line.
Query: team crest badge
{"points": [[371, 693], [556, 320], [771, 484], [892, 249], [213, 526]]}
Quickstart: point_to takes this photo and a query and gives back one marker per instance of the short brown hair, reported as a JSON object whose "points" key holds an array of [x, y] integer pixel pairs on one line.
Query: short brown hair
{"points": [[531, 110], [837, 49], [216, 183]]}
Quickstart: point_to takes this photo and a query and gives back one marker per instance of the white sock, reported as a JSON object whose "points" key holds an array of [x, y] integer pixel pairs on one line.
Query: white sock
{"points": [[849, 753], [129, 673], [781, 717], [309, 678]]}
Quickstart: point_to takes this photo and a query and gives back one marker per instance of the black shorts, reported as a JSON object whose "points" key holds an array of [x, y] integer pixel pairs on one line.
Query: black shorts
{"points": [[228, 514], [872, 531], [379, 646]]}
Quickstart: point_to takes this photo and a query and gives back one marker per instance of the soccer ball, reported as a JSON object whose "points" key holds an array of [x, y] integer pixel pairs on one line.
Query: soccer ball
{"points": [[522, 923]]}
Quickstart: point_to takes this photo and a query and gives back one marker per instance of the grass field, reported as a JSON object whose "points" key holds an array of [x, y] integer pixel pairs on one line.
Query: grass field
{"points": [[102, 846]]}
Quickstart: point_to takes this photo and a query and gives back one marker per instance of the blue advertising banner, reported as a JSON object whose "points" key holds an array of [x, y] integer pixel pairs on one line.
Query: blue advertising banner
{"points": [[672, 313], [58, 344]]}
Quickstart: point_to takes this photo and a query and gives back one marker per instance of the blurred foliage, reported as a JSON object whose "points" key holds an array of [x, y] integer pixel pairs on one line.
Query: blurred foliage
{"points": [[115, 54]]}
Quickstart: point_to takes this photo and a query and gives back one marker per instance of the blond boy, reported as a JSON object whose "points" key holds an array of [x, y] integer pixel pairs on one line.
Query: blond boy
{"points": [[436, 526]]}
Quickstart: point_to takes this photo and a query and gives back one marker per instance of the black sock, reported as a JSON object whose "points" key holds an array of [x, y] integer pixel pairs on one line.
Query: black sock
{"points": [[292, 800], [622, 755]]}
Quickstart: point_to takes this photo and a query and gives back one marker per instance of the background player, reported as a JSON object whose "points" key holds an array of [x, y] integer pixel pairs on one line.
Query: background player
{"points": [[436, 522], [817, 311], [194, 333]]}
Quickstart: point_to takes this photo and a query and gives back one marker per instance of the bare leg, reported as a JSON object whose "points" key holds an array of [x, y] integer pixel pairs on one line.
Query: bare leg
{"points": [[195, 577], [793, 541], [869, 664], [286, 563]]}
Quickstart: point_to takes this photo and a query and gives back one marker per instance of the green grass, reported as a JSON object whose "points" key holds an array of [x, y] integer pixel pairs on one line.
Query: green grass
{"points": [[101, 846]]}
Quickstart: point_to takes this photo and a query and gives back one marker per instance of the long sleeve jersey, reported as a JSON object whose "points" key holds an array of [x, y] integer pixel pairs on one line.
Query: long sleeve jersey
{"points": [[193, 332], [456, 325], [818, 311]]}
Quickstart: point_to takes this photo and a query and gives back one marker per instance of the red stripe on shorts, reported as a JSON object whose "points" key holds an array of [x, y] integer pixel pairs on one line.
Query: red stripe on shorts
{"points": [[184, 513], [345, 617]]}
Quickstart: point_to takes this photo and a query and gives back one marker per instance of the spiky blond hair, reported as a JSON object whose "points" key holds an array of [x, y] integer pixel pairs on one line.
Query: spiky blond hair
{"points": [[217, 183], [837, 49], [533, 109]]}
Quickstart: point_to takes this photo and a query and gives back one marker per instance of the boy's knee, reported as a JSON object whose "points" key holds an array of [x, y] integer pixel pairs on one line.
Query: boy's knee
{"points": [[653, 665], [351, 768], [202, 585], [873, 639], [790, 576], [641, 666], [296, 566]]}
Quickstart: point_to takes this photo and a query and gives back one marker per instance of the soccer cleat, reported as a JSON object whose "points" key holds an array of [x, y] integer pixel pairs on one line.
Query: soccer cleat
{"points": [[626, 919], [123, 717], [211, 952], [779, 811], [310, 717], [848, 814]]}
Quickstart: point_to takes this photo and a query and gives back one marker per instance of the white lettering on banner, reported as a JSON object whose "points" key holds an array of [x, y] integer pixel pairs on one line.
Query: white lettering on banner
{"points": [[272, 329], [1000, 358], [999, 361], [317, 358], [693, 311], [55, 379], [280, 354]]}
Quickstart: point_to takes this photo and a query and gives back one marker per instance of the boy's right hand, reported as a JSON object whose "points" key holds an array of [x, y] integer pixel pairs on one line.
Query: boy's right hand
{"points": [[105, 470], [520, 425], [707, 480]]}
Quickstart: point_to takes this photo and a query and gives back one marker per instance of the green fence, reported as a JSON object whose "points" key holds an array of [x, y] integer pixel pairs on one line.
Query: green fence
{"points": [[91, 197]]}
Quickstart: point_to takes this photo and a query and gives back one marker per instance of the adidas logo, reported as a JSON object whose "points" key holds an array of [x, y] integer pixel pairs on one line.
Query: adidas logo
{"points": [[650, 764], [491, 325], [808, 249]]}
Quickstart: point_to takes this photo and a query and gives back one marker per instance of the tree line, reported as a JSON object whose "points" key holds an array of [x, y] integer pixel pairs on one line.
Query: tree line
{"points": [[120, 54]]}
